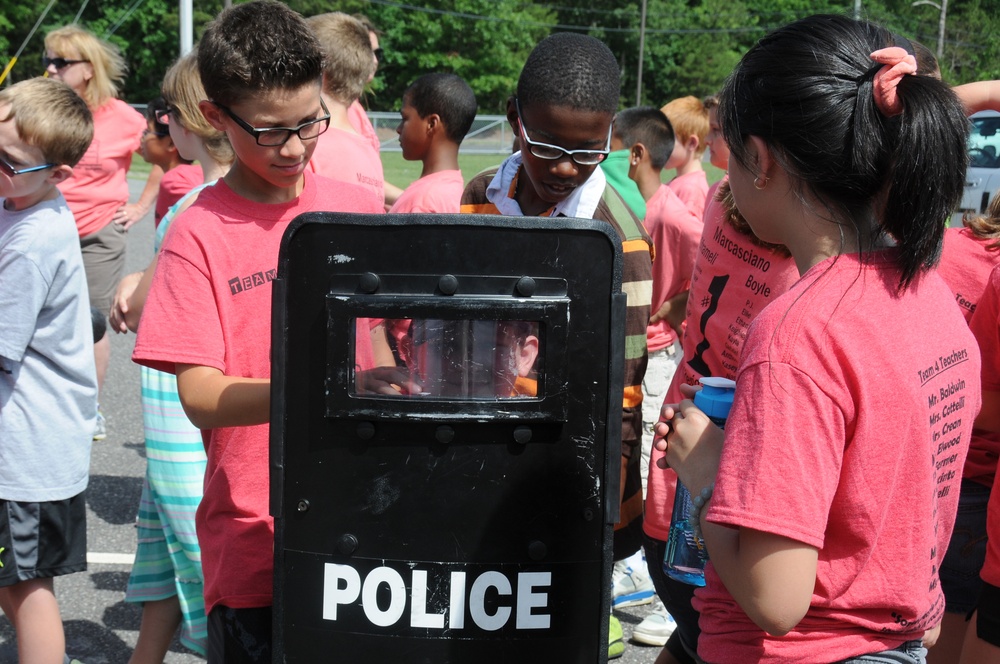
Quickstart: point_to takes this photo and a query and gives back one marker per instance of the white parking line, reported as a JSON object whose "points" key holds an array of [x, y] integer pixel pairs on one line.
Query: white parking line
{"points": [[96, 558]]}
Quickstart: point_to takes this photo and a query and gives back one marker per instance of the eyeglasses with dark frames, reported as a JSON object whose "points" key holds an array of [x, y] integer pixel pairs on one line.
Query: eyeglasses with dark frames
{"points": [[59, 63], [8, 169], [272, 137], [553, 152], [379, 54]]}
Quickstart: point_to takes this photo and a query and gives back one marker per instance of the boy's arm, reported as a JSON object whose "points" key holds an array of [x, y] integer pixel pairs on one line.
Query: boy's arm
{"points": [[979, 96], [989, 416], [673, 310], [212, 399]]}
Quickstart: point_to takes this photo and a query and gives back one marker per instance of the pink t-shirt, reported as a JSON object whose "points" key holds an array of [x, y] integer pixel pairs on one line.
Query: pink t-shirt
{"points": [[99, 184], [348, 157], [848, 432], [966, 263], [439, 192], [692, 189], [176, 182], [210, 305], [358, 118], [985, 325], [675, 232], [731, 282]]}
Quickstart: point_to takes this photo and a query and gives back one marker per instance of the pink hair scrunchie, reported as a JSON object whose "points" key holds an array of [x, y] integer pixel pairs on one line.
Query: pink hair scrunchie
{"points": [[897, 64]]}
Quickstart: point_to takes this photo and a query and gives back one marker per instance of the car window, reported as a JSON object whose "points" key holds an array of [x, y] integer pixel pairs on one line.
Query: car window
{"points": [[984, 142]]}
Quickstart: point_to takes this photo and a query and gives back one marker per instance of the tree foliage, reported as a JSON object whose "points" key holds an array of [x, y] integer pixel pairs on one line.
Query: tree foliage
{"points": [[689, 46]]}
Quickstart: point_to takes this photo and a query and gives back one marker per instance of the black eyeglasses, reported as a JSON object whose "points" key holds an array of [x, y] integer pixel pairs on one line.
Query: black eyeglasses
{"points": [[163, 117], [379, 54], [272, 137], [10, 171], [59, 63], [553, 152]]}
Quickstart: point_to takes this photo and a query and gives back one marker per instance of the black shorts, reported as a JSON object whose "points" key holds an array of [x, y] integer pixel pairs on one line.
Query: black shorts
{"points": [[988, 615], [239, 636], [42, 540]]}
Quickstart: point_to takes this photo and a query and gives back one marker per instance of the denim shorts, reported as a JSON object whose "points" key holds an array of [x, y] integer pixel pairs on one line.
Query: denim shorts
{"points": [[966, 553], [911, 652]]}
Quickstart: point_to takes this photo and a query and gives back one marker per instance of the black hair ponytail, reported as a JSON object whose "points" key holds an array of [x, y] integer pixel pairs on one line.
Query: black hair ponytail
{"points": [[927, 175], [807, 90]]}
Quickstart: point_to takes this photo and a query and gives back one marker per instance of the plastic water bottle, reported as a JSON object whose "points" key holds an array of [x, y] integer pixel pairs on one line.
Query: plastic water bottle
{"points": [[686, 555]]}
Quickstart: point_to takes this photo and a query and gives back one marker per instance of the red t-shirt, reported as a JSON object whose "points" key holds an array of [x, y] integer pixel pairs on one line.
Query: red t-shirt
{"points": [[210, 305], [348, 157], [731, 282], [675, 232], [966, 263], [358, 118], [985, 325], [692, 189], [176, 182], [99, 184], [439, 192], [848, 432]]}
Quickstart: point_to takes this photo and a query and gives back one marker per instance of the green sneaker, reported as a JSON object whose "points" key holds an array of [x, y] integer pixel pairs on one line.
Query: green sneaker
{"points": [[616, 644]]}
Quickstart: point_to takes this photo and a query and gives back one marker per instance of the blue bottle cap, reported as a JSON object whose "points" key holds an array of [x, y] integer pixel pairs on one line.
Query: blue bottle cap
{"points": [[715, 397]]}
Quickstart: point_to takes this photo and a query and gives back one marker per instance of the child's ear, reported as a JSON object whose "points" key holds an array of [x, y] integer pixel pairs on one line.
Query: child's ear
{"points": [[60, 173], [637, 153], [213, 114], [764, 161], [692, 143], [433, 122], [512, 114]]}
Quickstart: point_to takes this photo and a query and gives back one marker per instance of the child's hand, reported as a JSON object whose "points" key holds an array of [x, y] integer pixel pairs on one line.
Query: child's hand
{"points": [[692, 442], [119, 305], [391, 381]]}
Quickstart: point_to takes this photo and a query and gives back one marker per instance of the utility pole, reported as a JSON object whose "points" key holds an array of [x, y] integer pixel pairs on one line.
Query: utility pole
{"points": [[642, 46], [187, 30], [943, 8]]}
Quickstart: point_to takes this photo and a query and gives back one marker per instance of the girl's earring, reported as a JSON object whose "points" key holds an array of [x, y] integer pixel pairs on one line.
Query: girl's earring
{"points": [[760, 182]]}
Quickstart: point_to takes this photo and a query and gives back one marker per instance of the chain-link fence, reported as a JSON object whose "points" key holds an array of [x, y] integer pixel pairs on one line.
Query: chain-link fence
{"points": [[489, 134]]}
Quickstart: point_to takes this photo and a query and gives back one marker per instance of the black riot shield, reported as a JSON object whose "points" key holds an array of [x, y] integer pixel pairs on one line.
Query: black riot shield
{"points": [[445, 438]]}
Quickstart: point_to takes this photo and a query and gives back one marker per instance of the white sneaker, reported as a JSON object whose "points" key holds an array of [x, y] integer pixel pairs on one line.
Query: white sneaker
{"points": [[655, 628], [630, 587]]}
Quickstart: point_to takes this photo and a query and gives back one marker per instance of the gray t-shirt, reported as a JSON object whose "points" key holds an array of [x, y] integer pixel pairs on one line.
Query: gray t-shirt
{"points": [[48, 385]]}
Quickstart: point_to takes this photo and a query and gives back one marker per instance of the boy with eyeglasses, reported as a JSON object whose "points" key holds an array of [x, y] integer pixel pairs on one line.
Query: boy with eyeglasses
{"points": [[48, 383], [567, 95], [207, 316]]}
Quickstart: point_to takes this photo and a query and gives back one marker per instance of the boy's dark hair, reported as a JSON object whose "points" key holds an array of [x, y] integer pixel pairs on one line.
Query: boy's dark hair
{"points": [[649, 126], [449, 96], [257, 47], [154, 108], [807, 90], [571, 70]]}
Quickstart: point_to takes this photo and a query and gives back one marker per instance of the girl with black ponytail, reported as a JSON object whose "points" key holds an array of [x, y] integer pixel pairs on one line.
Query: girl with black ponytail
{"points": [[828, 503]]}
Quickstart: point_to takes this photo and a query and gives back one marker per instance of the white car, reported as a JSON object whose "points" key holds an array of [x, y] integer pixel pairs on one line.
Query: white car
{"points": [[982, 180]]}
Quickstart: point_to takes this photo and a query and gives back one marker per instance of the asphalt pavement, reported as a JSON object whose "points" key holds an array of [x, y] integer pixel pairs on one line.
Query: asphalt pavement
{"points": [[101, 628]]}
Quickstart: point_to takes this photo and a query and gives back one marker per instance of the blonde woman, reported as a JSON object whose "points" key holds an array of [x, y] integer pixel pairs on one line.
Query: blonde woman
{"points": [[97, 193]]}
